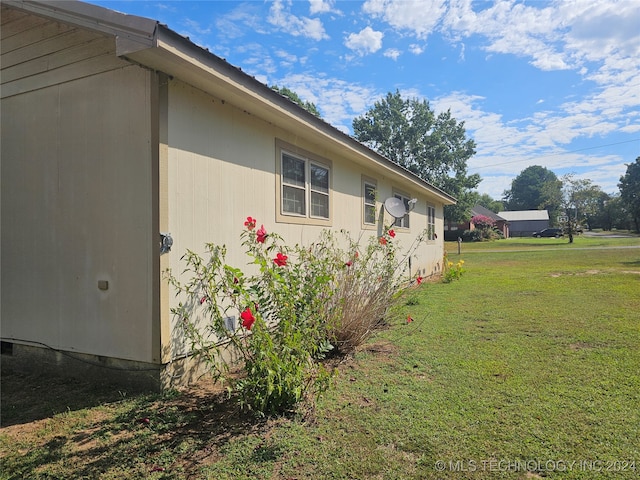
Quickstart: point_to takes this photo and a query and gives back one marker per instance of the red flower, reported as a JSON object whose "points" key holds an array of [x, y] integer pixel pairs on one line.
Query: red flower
{"points": [[235, 280], [419, 280], [250, 223], [356, 255], [261, 234], [409, 319], [203, 299], [392, 233], [348, 264], [383, 241], [280, 260], [247, 318]]}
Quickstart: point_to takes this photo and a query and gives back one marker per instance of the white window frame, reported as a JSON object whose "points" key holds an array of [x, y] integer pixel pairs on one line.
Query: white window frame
{"points": [[368, 202], [431, 222], [404, 221], [311, 191]]}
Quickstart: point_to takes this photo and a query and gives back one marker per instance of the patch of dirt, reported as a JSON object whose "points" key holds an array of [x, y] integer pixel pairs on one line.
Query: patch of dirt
{"points": [[592, 272], [588, 272], [382, 348]]}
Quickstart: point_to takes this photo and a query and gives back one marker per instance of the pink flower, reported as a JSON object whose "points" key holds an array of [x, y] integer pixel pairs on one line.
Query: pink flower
{"points": [[280, 260], [383, 241], [203, 299], [250, 223], [261, 234], [348, 264], [392, 233], [247, 318], [419, 280], [409, 319]]}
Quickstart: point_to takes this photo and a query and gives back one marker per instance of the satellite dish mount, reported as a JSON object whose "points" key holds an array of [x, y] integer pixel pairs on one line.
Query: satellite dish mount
{"points": [[395, 207]]}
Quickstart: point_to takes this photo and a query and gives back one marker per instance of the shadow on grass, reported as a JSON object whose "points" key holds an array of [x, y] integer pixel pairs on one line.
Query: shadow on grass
{"points": [[632, 264], [30, 397], [170, 435]]}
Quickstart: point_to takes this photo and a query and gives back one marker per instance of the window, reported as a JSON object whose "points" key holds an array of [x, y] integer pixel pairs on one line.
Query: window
{"points": [[404, 221], [369, 203], [431, 222], [305, 187]]}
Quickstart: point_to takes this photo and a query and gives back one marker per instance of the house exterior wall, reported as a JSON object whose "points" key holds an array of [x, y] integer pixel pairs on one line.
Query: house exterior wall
{"points": [[76, 193], [223, 167], [99, 155]]}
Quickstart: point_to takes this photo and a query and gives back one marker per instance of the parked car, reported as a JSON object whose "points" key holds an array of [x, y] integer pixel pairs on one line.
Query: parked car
{"points": [[549, 232]]}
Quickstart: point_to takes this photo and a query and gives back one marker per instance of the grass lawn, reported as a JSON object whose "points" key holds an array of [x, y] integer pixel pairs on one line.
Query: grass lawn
{"points": [[527, 367]]}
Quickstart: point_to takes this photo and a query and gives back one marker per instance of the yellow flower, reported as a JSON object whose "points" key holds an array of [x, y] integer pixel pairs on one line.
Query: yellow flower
{"points": [[461, 262], [450, 264]]}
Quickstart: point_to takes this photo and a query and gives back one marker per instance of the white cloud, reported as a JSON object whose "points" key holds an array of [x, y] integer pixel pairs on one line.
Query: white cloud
{"points": [[392, 53], [242, 18], [280, 17], [320, 6], [420, 17], [416, 49], [338, 101], [364, 42], [286, 59], [631, 128]]}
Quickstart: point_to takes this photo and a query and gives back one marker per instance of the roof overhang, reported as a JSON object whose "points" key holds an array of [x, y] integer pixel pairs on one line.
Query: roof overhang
{"points": [[152, 45]]}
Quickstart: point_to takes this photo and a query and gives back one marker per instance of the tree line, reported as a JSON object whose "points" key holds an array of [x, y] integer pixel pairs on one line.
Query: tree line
{"points": [[582, 202]]}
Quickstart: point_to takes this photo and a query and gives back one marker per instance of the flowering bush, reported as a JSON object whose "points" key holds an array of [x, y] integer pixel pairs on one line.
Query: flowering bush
{"points": [[485, 229], [282, 330], [452, 271], [483, 222], [300, 304]]}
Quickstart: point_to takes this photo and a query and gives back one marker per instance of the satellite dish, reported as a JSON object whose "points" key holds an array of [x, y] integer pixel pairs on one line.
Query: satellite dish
{"points": [[395, 207]]}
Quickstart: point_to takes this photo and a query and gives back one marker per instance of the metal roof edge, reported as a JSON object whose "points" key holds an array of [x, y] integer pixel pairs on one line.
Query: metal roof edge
{"points": [[131, 30]]}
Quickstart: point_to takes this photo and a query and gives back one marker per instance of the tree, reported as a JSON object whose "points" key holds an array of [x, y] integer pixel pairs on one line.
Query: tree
{"points": [[588, 200], [487, 202], [294, 97], [605, 216], [630, 191], [434, 147], [580, 201], [535, 188]]}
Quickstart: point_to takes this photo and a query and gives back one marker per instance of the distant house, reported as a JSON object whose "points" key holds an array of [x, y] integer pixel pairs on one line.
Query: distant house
{"points": [[116, 132], [453, 230], [523, 223]]}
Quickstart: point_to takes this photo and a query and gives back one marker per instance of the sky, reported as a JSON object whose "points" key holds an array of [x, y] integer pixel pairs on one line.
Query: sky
{"points": [[549, 83]]}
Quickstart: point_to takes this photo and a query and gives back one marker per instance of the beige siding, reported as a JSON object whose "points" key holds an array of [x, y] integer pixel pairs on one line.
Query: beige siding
{"points": [[222, 168], [76, 193]]}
